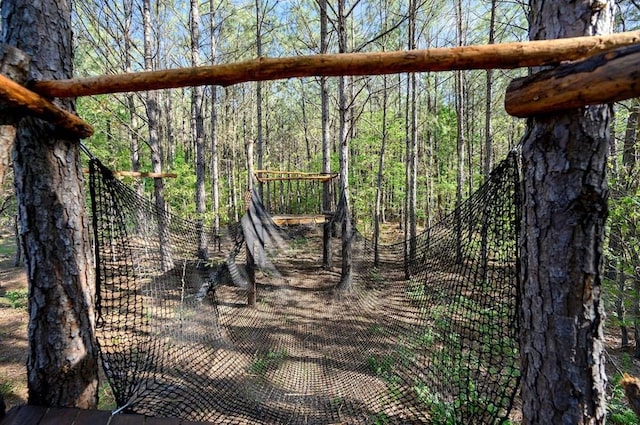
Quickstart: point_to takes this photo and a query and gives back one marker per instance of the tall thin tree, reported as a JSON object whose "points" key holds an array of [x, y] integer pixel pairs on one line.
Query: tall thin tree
{"points": [[327, 254], [154, 138], [197, 130], [347, 231], [215, 157]]}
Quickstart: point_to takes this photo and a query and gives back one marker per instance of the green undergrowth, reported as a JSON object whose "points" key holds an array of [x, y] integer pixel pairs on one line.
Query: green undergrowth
{"points": [[15, 299], [618, 411]]}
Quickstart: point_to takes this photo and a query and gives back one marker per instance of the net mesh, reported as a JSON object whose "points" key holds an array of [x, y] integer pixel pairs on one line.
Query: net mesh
{"points": [[177, 338]]}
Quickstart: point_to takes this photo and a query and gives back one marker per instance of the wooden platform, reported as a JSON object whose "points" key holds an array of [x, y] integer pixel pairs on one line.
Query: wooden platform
{"points": [[296, 220], [35, 415]]}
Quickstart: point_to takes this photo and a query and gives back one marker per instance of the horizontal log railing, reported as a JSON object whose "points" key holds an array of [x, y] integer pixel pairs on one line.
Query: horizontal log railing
{"points": [[16, 96], [507, 55], [604, 78]]}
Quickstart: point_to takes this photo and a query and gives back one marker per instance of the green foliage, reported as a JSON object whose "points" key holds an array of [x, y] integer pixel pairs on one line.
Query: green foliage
{"points": [[618, 411], [16, 299], [381, 366], [267, 361]]}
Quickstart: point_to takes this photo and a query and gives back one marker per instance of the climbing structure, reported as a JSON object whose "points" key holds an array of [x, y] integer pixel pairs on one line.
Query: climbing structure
{"points": [[177, 338]]}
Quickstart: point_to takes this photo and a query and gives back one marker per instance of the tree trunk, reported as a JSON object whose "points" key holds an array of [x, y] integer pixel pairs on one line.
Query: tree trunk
{"points": [[62, 355], [198, 133], [347, 260], [460, 144], [134, 144], [378, 207], [215, 160], [259, 137], [154, 143], [488, 136], [564, 210], [412, 120], [327, 195]]}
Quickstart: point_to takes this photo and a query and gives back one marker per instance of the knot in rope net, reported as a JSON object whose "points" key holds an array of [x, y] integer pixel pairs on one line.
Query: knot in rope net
{"points": [[424, 337]]}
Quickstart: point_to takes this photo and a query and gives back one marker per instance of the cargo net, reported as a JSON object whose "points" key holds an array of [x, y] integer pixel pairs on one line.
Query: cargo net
{"points": [[177, 338]]}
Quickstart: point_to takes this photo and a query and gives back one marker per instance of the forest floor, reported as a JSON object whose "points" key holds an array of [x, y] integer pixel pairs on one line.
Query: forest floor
{"points": [[13, 343]]}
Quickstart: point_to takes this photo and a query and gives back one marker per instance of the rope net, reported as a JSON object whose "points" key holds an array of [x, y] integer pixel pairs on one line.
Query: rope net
{"points": [[177, 338]]}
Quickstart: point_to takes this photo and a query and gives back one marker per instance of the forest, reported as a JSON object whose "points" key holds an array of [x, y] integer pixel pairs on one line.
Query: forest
{"points": [[412, 146], [430, 137]]}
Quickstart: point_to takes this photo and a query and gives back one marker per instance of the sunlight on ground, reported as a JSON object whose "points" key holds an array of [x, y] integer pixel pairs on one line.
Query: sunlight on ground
{"points": [[13, 326]]}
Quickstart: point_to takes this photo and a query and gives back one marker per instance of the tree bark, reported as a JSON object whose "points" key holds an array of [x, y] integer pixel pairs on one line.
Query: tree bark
{"points": [[215, 160], [154, 143], [327, 195], [460, 138], [381, 158], [62, 367], [259, 137], [198, 133], [346, 278], [488, 133], [412, 151], [564, 210]]}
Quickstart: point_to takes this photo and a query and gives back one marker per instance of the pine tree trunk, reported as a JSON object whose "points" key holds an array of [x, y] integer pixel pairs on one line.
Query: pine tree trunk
{"points": [[460, 141], [564, 160], [62, 355], [327, 195], [413, 141], [488, 136], [215, 160], [154, 143], [378, 207], [343, 89], [198, 132], [259, 136]]}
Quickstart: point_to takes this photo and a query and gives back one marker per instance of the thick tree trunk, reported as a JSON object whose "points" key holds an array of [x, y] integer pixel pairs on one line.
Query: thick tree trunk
{"points": [[62, 355], [564, 160]]}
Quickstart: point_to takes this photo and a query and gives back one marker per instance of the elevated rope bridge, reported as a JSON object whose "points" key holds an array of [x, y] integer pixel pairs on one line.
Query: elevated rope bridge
{"points": [[178, 340]]}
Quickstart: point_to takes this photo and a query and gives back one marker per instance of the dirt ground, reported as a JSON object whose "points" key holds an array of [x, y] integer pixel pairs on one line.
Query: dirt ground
{"points": [[13, 340], [13, 326]]}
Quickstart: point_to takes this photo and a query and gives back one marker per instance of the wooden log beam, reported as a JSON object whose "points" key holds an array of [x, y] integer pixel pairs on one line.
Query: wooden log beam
{"points": [[301, 173], [321, 178], [505, 56], [604, 78], [13, 95], [141, 174]]}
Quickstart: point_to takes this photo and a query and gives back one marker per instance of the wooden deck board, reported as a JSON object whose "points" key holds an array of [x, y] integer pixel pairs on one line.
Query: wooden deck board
{"points": [[294, 220], [24, 415], [59, 416], [36, 415]]}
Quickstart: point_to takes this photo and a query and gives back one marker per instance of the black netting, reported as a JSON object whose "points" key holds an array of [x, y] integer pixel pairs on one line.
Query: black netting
{"points": [[177, 338]]}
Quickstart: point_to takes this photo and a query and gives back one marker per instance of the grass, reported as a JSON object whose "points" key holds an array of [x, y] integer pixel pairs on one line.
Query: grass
{"points": [[266, 361], [15, 299]]}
